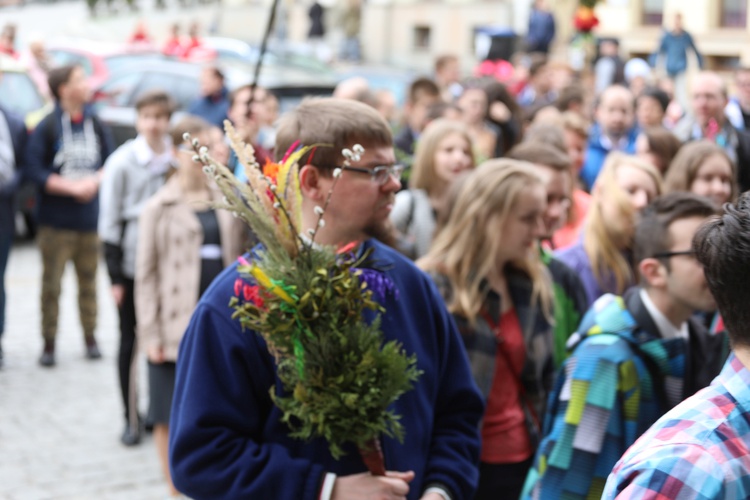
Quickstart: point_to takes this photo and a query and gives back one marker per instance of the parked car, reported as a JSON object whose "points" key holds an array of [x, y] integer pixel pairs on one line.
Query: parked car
{"points": [[19, 94], [98, 59], [115, 99]]}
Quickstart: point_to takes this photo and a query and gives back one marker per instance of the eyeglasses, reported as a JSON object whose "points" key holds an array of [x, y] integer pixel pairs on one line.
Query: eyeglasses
{"points": [[380, 174], [667, 255]]}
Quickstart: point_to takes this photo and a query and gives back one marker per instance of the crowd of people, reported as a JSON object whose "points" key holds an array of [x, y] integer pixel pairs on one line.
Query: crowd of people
{"points": [[559, 254]]}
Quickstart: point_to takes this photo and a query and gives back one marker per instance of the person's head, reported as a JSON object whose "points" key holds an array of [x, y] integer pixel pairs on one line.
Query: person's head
{"points": [[624, 187], [553, 166], [443, 152], [545, 133], [742, 83], [174, 30], [68, 84], [218, 145], [576, 135], [677, 22], [194, 30], [708, 98], [474, 105], [664, 253], [359, 206], [154, 110], [183, 152], [658, 146], [423, 92], [609, 47], [211, 81], [447, 69], [351, 88], [722, 246], [614, 113], [385, 104], [495, 222], [498, 93], [650, 107], [703, 168], [571, 98], [445, 110], [540, 75], [245, 115]]}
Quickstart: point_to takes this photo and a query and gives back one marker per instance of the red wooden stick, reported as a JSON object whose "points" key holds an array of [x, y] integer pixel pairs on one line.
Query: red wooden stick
{"points": [[372, 455]]}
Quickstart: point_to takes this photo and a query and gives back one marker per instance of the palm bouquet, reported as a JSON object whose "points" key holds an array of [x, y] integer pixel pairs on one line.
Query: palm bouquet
{"points": [[307, 302]]}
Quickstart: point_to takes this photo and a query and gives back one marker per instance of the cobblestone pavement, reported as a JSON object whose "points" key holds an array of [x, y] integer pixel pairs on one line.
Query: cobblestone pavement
{"points": [[60, 427]]}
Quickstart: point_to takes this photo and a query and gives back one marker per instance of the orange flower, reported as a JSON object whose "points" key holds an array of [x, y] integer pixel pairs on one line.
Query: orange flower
{"points": [[271, 170]]}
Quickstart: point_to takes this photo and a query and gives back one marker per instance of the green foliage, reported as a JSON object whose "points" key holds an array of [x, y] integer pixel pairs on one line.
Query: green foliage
{"points": [[338, 377]]}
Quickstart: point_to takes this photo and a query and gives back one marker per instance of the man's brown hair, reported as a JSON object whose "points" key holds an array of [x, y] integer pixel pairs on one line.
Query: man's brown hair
{"points": [[540, 153], [156, 98], [548, 134], [331, 125], [423, 87], [443, 61], [58, 77], [190, 124]]}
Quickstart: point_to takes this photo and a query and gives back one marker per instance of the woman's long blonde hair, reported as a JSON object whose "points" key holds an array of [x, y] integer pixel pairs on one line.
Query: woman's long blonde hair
{"points": [[423, 174], [604, 241], [466, 250]]}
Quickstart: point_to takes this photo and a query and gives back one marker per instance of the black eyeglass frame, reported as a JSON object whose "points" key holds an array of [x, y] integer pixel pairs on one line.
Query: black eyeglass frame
{"points": [[668, 255], [394, 170]]}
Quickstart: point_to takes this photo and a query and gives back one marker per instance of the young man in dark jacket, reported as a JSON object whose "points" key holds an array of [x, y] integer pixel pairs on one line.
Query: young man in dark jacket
{"points": [[64, 157]]}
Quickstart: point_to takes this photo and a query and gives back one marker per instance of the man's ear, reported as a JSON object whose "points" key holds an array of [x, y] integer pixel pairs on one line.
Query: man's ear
{"points": [[310, 183], [653, 272]]}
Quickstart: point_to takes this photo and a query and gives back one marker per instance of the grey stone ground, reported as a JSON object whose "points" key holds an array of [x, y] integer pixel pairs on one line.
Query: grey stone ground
{"points": [[60, 427]]}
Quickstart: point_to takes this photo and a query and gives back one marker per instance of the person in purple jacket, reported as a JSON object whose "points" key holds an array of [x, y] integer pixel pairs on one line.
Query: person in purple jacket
{"points": [[227, 439], [602, 257]]}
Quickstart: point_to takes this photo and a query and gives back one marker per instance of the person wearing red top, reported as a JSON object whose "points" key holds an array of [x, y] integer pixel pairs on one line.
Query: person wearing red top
{"points": [[486, 265], [173, 46]]}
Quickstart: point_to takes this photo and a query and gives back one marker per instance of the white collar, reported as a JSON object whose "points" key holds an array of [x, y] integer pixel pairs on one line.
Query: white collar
{"points": [[666, 328], [146, 156]]}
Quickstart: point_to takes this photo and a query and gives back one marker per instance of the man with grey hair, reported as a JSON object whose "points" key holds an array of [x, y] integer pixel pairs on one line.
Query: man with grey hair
{"points": [[706, 120]]}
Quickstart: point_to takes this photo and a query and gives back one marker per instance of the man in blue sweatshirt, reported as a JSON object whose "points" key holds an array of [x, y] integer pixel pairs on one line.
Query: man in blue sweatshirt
{"points": [[227, 439], [64, 157]]}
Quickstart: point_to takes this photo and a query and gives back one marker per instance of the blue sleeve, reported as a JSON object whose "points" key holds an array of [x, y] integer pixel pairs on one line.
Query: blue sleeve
{"points": [[218, 415], [698, 55], [37, 169], [455, 447]]}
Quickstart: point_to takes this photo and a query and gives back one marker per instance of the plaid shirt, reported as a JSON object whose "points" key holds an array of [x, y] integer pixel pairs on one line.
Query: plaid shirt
{"points": [[700, 449]]}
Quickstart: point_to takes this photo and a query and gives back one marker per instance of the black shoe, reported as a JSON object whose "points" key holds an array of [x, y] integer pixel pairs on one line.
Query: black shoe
{"points": [[92, 350], [47, 358], [130, 436]]}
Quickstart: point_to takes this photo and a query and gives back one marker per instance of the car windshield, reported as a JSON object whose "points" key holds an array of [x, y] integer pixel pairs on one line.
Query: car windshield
{"points": [[18, 93]]}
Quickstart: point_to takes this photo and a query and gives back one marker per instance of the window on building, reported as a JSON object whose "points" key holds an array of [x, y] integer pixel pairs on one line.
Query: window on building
{"points": [[421, 37], [733, 13], [653, 12]]}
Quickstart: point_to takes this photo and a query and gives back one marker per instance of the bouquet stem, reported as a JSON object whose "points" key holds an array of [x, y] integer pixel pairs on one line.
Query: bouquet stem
{"points": [[372, 455]]}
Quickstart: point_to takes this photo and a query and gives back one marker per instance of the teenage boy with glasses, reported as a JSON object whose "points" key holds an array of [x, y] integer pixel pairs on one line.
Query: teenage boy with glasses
{"points": [[635, 357]]}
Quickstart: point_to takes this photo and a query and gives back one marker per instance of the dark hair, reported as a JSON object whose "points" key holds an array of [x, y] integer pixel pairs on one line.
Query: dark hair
{"points": [[540, 153], [652, 232], [722, 245], [333, 124], [216, 71], [156, 98], [663, 144], [234, 93], [423, 86], [189, 124], [438, 109], [58, 77], [569, 95], [537, 64], [657, 94]]}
